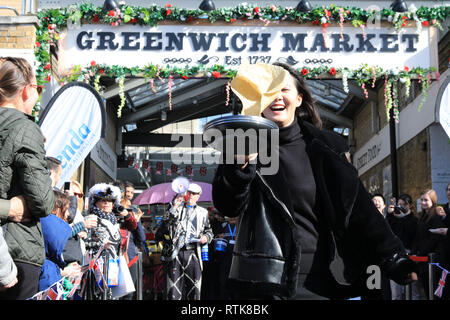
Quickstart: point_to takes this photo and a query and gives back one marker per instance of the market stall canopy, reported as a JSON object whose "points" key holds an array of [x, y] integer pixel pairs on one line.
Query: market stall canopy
{"points": [[163, 193]]}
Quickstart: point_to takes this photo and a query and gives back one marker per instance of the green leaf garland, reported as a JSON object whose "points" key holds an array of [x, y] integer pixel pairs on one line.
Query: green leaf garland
{"points": [[53, 20]]}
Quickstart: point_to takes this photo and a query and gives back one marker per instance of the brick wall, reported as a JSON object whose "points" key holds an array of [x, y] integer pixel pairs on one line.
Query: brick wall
{"points": [[18, 32], [363, 126], [414, 165], [17, 36]]}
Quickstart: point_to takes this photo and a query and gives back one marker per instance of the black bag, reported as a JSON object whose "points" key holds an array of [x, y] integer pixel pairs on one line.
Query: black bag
{"points": [[72, 251]]}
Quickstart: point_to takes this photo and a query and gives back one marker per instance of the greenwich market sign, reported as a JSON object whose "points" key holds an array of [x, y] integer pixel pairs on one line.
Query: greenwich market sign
{"points": [[230, 46], [169, 42]]}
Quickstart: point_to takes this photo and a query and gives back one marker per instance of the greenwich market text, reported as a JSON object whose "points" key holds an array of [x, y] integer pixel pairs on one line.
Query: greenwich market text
{"points": [[238, 42]]}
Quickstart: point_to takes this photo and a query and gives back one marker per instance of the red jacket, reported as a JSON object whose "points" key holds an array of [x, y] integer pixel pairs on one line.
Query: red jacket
{"points": [[130, 224]]}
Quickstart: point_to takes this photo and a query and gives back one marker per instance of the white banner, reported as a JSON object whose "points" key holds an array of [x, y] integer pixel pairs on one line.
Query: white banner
{"points": [[72, 124], [233, 45]]}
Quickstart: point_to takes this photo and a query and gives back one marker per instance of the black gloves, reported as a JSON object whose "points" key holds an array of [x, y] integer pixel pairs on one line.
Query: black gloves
{"points": [[398, 268]]}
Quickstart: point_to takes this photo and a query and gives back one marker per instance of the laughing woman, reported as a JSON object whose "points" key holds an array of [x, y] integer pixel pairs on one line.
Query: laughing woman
{"points": [[310, 231]]}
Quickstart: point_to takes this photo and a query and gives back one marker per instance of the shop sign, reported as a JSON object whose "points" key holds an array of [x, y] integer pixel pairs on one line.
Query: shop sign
{"points": [[367, 156], [233, 45], [105, 157]]}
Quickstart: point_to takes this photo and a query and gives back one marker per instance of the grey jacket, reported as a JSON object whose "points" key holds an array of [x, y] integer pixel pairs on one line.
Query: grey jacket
{"points": [[23, 172]]}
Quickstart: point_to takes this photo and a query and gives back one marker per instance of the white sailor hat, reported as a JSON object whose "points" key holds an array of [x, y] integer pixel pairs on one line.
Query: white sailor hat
{"points": [[194, 188]]}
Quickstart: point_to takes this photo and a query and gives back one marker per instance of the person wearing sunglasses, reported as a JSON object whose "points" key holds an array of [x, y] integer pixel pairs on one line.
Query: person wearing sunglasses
{"points": [[22, 173]]}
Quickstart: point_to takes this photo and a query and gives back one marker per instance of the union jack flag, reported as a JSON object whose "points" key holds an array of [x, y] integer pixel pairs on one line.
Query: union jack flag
{"points": [[440, 288], [55, 292], [98, 271]]}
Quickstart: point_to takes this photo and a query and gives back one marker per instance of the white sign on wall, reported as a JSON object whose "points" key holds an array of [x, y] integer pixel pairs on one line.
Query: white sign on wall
{"points": [[105, 157], [373, 152], [233, 45]]}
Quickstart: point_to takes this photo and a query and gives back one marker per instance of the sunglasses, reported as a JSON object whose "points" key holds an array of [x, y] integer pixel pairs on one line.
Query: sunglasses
{"points": [[79, 195], [39, 88]]}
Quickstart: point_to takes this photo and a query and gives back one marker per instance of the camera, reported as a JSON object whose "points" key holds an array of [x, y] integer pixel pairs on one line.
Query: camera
{"points": [[399, 209], [117, 209]]}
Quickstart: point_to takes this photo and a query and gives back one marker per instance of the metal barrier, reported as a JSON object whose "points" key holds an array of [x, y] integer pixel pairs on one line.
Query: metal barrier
{"points": [[431, 257], [408, 292], [139, 277], [105, 255]]}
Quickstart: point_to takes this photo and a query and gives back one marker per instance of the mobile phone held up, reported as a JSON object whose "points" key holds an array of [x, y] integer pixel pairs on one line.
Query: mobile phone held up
{"points": [[67, 185]]}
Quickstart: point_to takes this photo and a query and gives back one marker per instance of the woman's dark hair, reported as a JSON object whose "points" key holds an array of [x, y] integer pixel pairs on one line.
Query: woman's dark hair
{"points": [[15, 73], [128, 184], [307, 111], [62, 203], [379, 195], [407, 198], [52, 163]]}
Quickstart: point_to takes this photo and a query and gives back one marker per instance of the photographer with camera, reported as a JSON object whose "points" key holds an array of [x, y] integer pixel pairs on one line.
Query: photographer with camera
{"points": [[403, 223], [402, 220]]}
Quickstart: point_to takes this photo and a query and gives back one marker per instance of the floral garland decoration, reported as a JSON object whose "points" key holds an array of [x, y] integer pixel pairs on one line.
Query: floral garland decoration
{"points": [[121, 82], [53, 20]]}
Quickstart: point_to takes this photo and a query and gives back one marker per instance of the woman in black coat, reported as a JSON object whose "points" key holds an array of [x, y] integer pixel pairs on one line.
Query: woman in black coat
{"points": [[310, 231], [403, 223], [426, 241]]}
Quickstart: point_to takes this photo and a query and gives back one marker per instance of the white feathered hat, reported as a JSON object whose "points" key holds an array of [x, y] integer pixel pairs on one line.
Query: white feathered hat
{"points": [[104, 191]]}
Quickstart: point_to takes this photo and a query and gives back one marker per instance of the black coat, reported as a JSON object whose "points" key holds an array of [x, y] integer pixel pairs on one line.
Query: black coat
{"points": [[405, 228], [426, 242], [446, 240], [266, 254]]}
